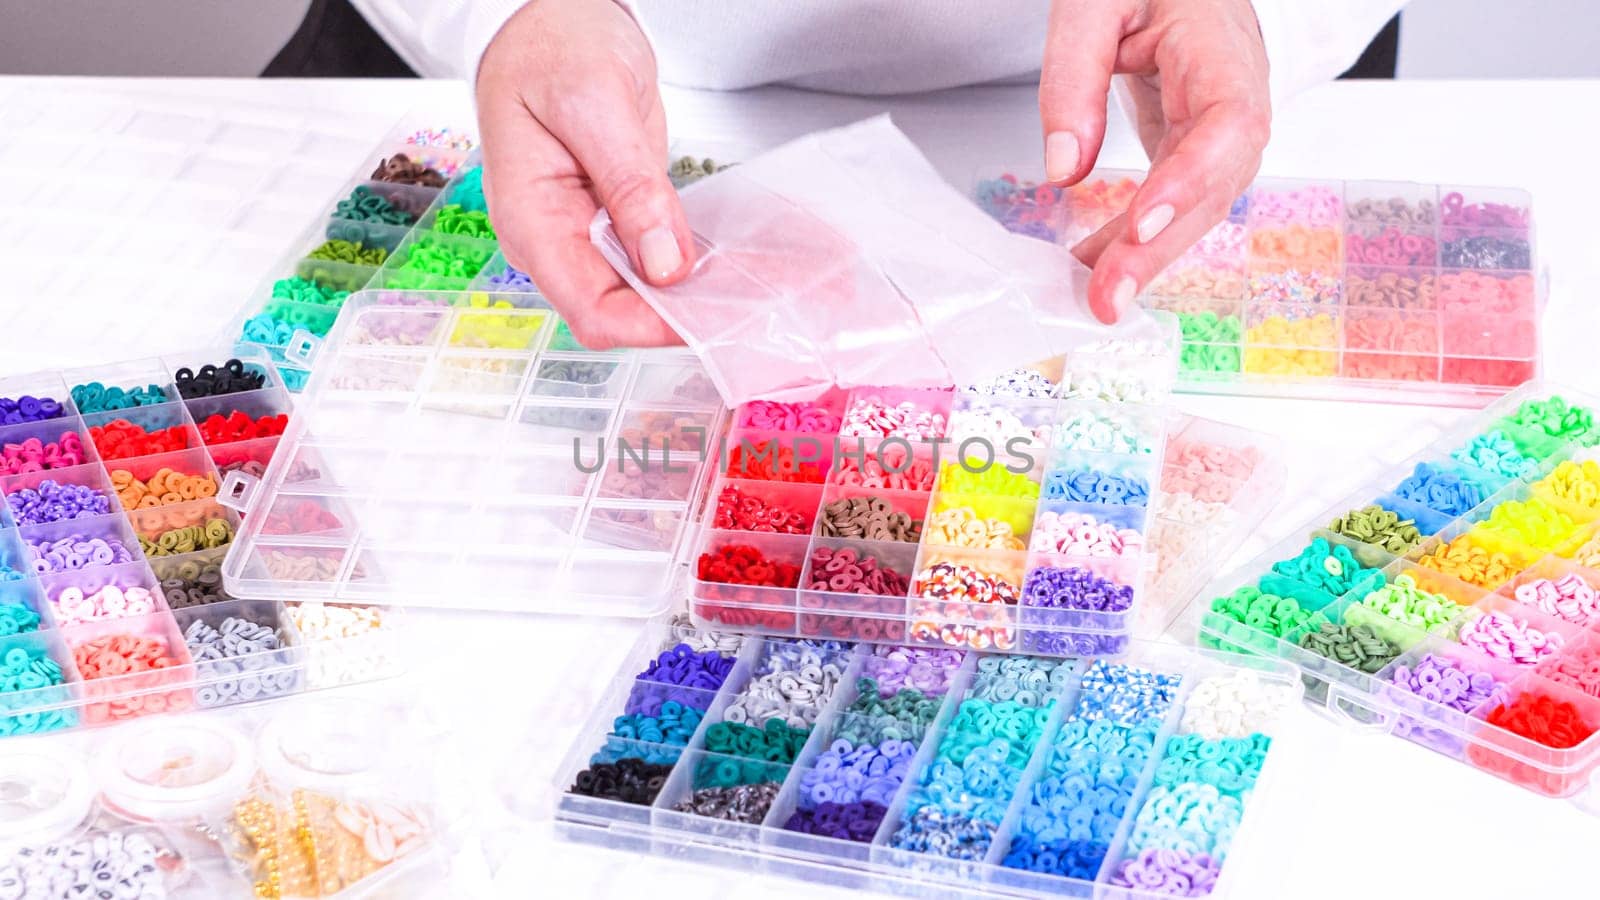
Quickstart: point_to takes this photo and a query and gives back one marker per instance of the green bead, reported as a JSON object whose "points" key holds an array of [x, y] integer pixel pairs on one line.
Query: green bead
{"points": [[1210, 342], [452, 219], [305, 290], [446, 259], [353, 252]]}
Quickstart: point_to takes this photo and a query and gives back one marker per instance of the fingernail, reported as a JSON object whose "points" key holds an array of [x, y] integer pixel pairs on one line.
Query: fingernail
{"points": [[1060, 155], [659, 253], [1122, 298], [1153, 222]]}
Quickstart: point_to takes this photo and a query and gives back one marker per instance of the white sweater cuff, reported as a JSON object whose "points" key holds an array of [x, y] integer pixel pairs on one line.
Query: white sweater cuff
{"points": [[485, 18]]}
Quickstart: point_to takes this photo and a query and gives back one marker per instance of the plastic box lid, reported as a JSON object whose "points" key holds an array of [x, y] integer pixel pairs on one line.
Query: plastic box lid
{"points": [[454, 444]]}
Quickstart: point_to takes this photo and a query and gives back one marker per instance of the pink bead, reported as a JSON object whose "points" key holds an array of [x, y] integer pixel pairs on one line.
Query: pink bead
{"points": [[1501, 636], [1570, 599], [1079, 534], [873, 417]]}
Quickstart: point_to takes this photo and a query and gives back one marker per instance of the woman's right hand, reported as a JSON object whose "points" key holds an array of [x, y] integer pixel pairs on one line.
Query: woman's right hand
{"points": [[572, 121]]}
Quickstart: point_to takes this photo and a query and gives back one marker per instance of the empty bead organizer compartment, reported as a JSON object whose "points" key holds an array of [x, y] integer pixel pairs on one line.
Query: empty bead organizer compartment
{"points": [[919, 769], [112, 539], [458, 450], [321, 797], [1453, 600], [1355, 290]]}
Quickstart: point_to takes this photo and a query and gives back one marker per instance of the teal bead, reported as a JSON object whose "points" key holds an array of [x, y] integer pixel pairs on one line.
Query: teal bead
{"points": [[265, 329], [27, 668], [365, 206], [95, 397], [467, 191]]}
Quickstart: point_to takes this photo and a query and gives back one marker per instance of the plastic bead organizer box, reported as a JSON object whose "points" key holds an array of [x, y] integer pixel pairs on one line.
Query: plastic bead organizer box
{"points": [[1047, 555], [1454, 602], [112, 538], [1353, 290], [934, 772]]}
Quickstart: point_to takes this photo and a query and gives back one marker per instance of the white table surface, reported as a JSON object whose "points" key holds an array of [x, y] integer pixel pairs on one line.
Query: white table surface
{"points": [[139, 213]]}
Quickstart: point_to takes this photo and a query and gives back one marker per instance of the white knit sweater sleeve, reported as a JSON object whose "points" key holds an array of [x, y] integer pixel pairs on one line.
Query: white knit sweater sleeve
{"points": [[1307, 41]]}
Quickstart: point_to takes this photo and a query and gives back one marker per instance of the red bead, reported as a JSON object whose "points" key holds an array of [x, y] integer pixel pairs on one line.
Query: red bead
{"points": [[121, 439], [1544, 719], [238, 426]]}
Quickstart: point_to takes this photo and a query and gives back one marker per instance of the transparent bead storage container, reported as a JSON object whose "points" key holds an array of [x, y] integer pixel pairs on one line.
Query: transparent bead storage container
{"points": [[1347, 290], [476, 458], [1489, 535], [72, 580], [387, 218], [766, 836], [339, 795], [1194, 515], [1082, 427]]}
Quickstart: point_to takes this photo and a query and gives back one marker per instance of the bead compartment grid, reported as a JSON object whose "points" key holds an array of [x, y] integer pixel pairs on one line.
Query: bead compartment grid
{"points": [[1165, 580], [296, 666], [1444, 346], [864, 616], [657, 828], [403, 382], [1371, 699]]}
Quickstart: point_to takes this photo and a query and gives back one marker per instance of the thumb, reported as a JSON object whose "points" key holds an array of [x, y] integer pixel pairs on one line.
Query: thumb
{"points": [[605, 133], [1080, 53]]}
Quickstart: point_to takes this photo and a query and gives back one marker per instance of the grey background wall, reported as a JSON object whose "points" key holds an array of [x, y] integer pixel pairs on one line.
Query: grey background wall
{"points": [[1500, 39], [1439, 38], [144, 37]]}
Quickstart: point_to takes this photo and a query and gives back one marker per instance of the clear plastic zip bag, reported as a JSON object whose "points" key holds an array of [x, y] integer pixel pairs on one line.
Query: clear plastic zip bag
{"points": [[843, 259]]}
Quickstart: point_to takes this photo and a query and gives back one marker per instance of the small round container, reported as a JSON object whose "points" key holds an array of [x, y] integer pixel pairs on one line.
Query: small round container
{"points": [[329, 745], [43, 798], [182, 770]]}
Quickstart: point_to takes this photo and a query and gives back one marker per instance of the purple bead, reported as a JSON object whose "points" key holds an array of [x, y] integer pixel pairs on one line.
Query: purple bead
{"points": [[845, 821], [1429, 676], [53, 502], [680, 675], [27, 408], [1168, 872], [926, 669], [76, 552], [1056, 587], [1047, 643], [1444, 682], [511, 279], [850, 783]]}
